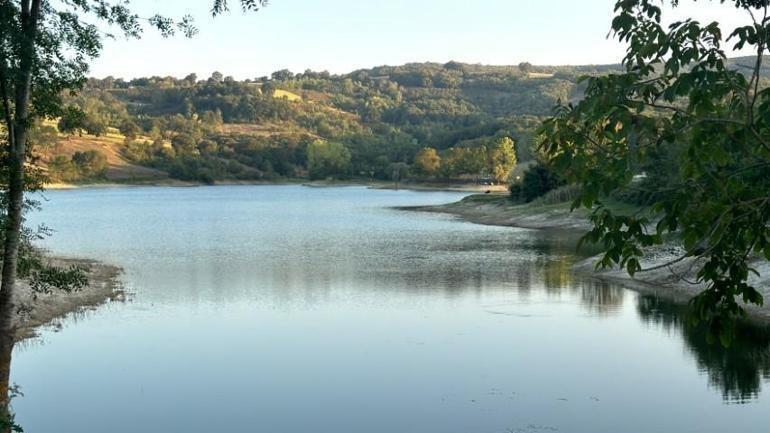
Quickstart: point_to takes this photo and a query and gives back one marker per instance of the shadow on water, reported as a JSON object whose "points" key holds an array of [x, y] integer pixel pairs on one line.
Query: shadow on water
{"points": [[738, 371]]}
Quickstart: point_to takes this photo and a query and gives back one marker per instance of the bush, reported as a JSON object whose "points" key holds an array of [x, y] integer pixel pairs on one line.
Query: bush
{"points": [[129, 129], [61, 169], [90, 164], [136, 151], [537, 181], [563, 194]]}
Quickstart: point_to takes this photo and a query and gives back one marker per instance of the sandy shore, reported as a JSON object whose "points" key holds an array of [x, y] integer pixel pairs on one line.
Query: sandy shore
{"points": [[674, 282], [48, 308], [69, 186]]}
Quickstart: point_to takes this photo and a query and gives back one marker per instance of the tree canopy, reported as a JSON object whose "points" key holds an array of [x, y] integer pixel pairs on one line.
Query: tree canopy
{"points": [[678, 98]]}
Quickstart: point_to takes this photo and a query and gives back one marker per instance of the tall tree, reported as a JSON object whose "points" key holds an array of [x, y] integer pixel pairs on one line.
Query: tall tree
{"points": [[45, 47], [678, 90], [427, 161], [502, 159], [326, 158]]}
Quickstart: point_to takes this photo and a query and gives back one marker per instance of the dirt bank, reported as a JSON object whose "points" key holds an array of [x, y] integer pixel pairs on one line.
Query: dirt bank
{"points": [[34, 312]]}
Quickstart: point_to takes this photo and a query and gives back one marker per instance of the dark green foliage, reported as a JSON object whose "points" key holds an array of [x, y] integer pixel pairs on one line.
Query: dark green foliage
{"points": [[537, 181], [61, 169], [72, 120], [327, 159], [680, 110], [46, 279], [90, 164], [382, 116], [129, 129], [193, 169], [658, 171]]}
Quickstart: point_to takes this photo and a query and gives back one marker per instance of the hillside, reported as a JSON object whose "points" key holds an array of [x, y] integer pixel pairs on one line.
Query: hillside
{"points": [[261, 129], [118, 168], [156, 128]]}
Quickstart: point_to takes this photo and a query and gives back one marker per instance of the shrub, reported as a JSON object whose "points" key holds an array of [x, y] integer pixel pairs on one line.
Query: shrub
{"points": [[61, 169], [90, 164], [536, 182]]}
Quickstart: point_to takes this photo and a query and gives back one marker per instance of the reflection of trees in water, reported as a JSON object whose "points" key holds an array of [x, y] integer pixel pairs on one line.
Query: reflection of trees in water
{"points": [[601, 298], [556, 273], [738, 371], [557, 277]]}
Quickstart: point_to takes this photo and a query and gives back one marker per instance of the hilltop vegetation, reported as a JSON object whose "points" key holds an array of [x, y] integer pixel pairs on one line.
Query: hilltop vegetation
{"points": [[382, 123]]}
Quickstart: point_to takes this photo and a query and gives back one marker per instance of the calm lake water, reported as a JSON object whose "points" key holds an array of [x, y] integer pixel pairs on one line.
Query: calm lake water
{"points": [[293, 309]]}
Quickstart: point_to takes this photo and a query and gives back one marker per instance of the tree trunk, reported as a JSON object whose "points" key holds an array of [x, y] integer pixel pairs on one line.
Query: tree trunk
{"points": [[6, 349], [17, 151], [10, 260]]}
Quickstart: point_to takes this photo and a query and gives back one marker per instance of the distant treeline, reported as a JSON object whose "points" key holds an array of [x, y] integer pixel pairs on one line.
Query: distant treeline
{"points": [[429, 120]]}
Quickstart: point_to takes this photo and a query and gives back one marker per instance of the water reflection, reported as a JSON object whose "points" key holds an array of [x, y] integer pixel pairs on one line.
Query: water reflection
{"points": [[284, 300], [737, 371], [601, 298]]}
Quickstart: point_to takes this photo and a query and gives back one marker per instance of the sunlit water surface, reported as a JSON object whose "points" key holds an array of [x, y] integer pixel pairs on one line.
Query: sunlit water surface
{"points": [[293, 309]]}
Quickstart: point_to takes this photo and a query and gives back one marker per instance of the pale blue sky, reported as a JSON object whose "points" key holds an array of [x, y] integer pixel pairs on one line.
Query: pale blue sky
{"points": [[344, 35]]}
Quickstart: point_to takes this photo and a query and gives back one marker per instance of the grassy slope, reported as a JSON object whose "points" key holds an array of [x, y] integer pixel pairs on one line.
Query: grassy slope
{"points": [[120, 169]]}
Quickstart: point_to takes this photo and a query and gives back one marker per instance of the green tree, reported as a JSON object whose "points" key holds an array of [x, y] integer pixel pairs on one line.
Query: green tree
{"points": [[129, 129], [398, 171], [327, 159], [72, 121], [502, 159], [184, 144], [427, 161], [61, 169], [44, 49], [90, 164], [216, 77], [678, 89], [45, 137], [537, 180]]}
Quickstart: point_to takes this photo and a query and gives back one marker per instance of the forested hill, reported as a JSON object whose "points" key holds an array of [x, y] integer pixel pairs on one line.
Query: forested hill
{"points": [[371, 123]]}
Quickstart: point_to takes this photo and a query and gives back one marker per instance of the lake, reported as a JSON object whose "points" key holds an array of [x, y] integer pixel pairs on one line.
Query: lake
{"points": [[294, 309]]}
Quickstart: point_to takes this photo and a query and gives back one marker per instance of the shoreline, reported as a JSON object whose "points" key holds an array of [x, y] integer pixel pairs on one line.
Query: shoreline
{"points": [[496, 210], [371, 184], [670, 283], [36, 312]]}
